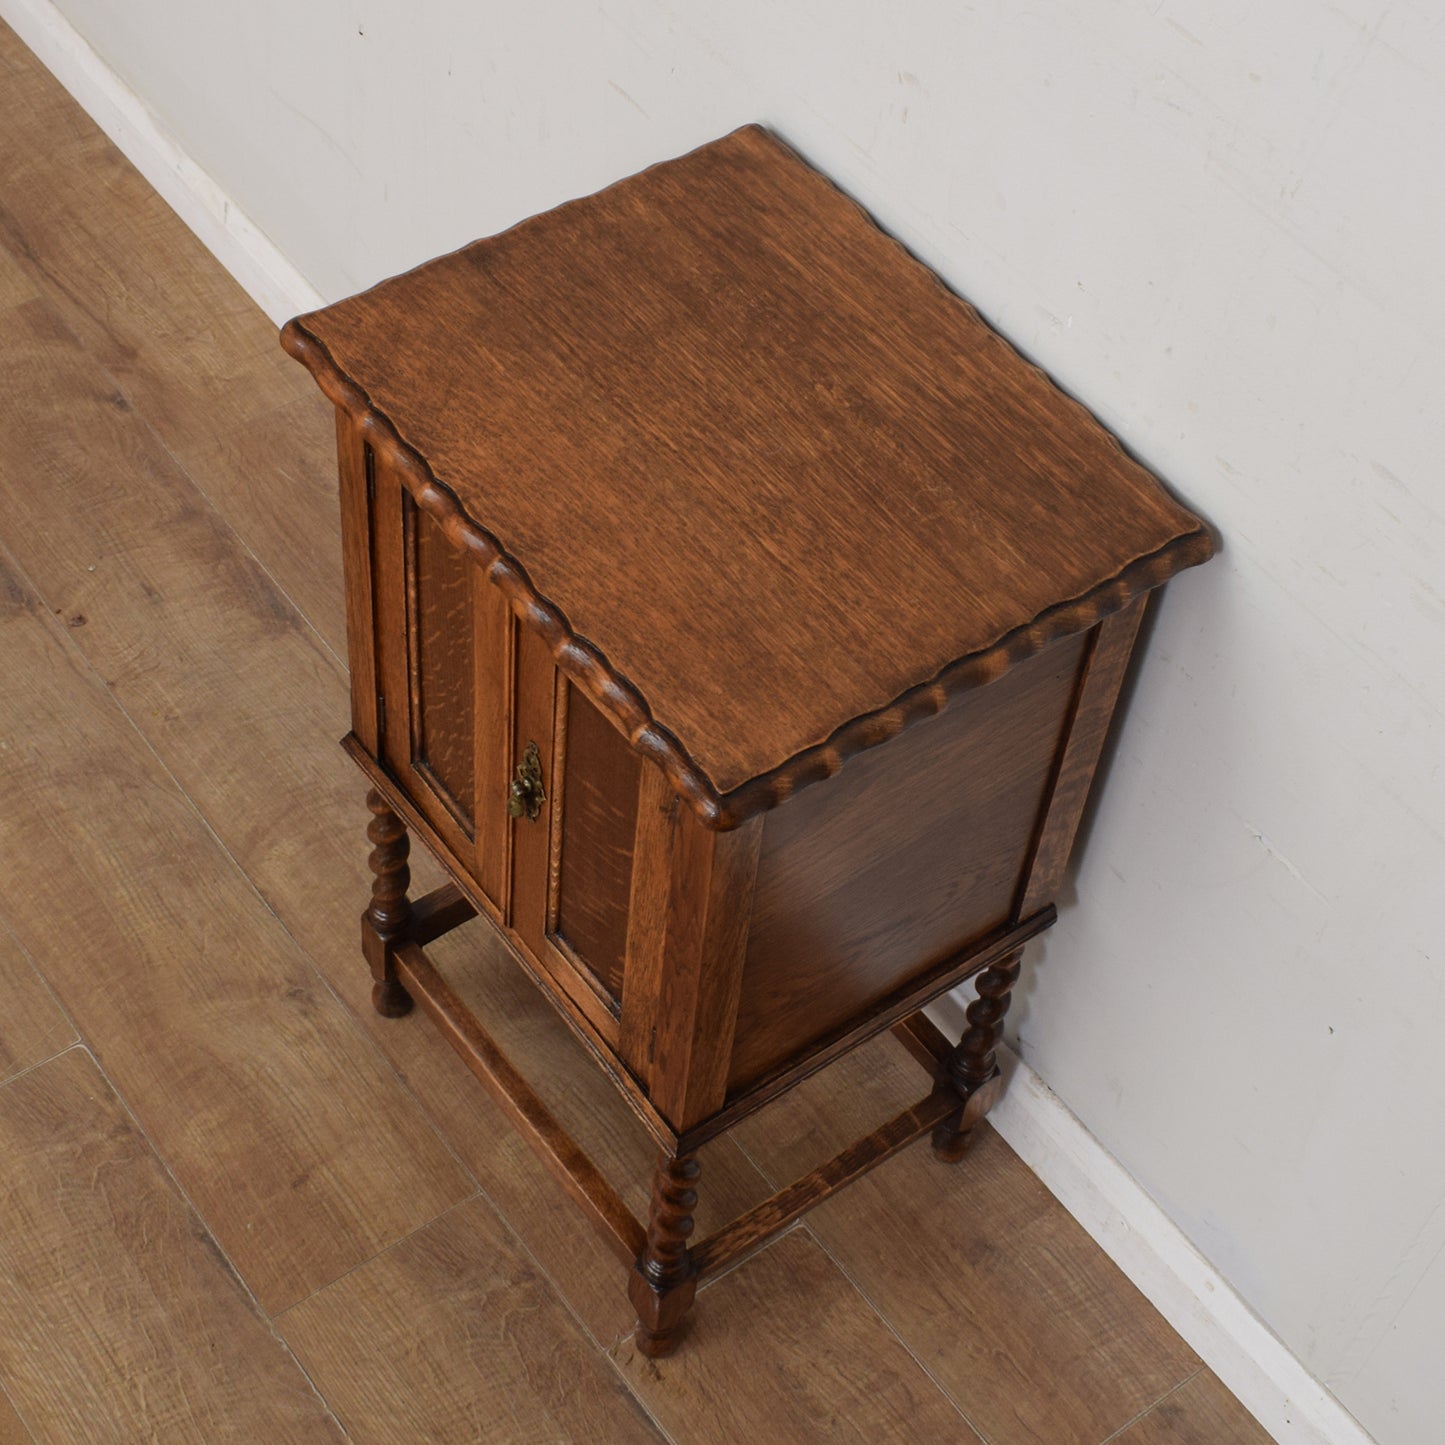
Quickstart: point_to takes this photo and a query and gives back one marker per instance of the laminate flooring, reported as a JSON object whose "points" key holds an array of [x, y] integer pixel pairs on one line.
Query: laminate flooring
{"points": [[235, 1203]]}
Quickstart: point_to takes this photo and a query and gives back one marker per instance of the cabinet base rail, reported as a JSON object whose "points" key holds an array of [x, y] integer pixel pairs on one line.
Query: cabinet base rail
{"points": [[445, 909]]}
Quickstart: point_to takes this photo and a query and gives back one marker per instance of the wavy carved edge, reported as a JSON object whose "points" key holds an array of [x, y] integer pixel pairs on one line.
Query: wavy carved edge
{"points": [[587, 665]]}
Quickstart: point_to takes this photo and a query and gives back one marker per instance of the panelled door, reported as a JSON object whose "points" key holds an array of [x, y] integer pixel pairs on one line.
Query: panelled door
{"points": [[571, 869], [441, 640], [529, 787]]}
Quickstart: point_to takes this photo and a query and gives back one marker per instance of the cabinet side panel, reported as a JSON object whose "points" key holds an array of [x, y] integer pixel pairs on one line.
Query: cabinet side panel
{"points": [[599, 823], [913, 851], [1112, 645], [354, 466]]}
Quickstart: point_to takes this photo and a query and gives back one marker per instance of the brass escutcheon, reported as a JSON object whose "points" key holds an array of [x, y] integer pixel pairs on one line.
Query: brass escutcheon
{"points": [[526, 795]]}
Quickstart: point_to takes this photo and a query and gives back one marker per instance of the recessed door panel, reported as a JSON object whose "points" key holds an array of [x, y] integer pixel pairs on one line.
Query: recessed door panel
{"points": [[442, 665], [599, 824]]}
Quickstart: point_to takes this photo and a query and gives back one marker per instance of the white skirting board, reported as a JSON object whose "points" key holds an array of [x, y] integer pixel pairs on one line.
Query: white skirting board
{"points": [[1154, 1254], [1111, 1206], [275, 285]]}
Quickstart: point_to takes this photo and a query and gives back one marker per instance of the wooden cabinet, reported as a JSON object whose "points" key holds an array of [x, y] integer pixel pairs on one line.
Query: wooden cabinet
{"points": [[739, 620]]}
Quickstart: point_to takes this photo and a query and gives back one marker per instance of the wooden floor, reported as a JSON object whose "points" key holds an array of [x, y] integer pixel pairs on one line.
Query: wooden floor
{"points": [[234, 1203]]}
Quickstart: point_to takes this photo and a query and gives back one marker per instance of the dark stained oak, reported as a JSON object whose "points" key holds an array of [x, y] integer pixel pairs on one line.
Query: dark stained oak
{"points": [[692, 898], [582, 1098], [893, 1012], [494, 670], [1106, 656], [656, 511], [722, 351], [751, 1230], [387, 920], [442, 665], [354, 465], [913, 851], [665, 1277], [599, 819], [573, 1169], [972, 1068]]}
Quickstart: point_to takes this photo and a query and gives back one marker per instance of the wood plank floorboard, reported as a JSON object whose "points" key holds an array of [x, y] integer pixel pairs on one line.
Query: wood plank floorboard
{"points": [[12, 1427], [181, 340], [274, 482], [453, 1337], [32, 1024], [184, 341], [784, 1349], [1029, 1327], [301, 1150], [1199, 1412], [122, 1324], [15, 283], [174, 610]]}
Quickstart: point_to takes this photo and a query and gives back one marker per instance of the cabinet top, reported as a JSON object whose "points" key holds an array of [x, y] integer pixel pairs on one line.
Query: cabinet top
{"points": [[770, 490]]}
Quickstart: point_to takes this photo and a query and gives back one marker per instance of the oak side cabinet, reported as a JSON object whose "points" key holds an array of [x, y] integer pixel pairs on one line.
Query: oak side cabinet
{"points": [[738, 619]]}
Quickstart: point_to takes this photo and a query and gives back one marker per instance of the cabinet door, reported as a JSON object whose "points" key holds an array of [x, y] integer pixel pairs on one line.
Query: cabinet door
{"points": [[599, 777], [442, 670], [572, 866], [464, 692]]}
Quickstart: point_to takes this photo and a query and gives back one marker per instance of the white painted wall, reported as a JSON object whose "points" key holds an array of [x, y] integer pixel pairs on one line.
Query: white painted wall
{"points": [[1220, 225]]}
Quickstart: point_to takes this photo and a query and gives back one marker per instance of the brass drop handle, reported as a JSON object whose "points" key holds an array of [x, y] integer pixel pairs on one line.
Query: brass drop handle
{"points": [[526, 795]]}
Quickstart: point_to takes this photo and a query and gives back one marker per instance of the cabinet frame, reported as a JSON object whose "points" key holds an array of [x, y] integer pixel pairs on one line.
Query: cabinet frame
{"points": [[667, 1042]]}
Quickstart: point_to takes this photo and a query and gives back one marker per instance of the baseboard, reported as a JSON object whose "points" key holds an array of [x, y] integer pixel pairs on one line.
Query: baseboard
{"points": [[276, 286], [1115, 1210], [1159, 1260]]}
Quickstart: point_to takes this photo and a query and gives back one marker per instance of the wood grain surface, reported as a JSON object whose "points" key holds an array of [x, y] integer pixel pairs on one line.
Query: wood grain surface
{"points": [[786, 1349], [443, 666], [239, 1063], [1200, 1412], [1106, 659], [599, 822], [137, 848], [176, 334], [384, 1348], [122, 1323], [15, 285], [273, 480], [914, 852], [12, 1428], [1037, 1339], [33, 1026], [819, 493]]}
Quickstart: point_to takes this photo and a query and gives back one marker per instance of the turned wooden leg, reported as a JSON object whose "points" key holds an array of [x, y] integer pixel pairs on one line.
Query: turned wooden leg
{"points": [[664, 1279], [972, 1068], [388, 916]]}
